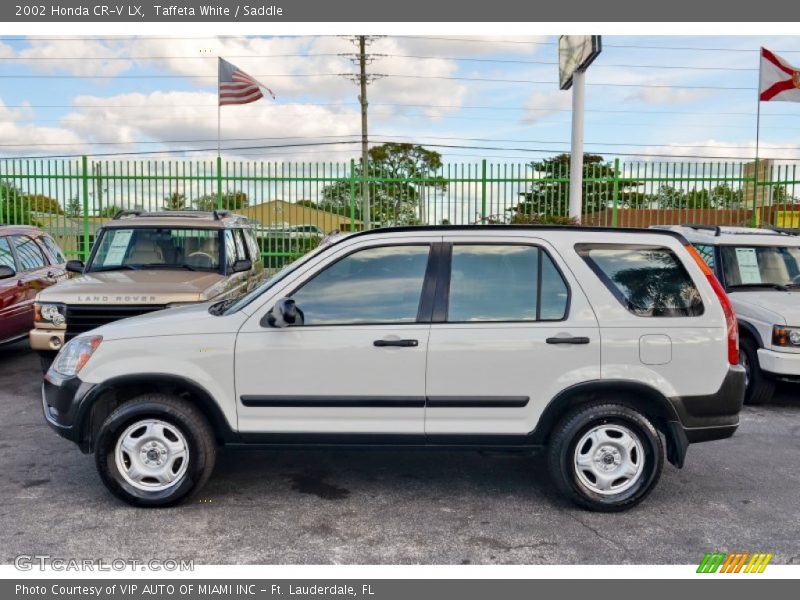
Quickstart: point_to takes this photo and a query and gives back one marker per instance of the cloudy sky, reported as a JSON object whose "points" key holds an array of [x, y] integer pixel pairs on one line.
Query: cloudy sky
{"points": [[466, 97]]}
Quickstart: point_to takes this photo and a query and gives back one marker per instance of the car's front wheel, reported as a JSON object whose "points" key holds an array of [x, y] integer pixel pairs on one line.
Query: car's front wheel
{"points": [[605, 457], [155, 450], [758, 387]]}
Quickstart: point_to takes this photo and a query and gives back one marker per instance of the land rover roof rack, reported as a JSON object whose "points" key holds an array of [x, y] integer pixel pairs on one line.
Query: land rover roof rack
{"points": [[127, 213], [715, 228]]}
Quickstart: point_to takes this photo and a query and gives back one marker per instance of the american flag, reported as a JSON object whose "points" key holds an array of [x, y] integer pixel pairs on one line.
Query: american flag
{"points": [[237, 87]]}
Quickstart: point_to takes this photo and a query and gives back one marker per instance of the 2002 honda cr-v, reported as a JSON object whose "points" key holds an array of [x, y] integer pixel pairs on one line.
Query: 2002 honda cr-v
{"points": [[608, 349]]}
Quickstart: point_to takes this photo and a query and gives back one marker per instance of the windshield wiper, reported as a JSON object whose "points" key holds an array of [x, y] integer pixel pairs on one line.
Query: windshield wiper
{"points": [[115, 268], [783, 287]]}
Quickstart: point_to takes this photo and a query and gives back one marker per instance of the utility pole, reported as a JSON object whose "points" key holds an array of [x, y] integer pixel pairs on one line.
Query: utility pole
{"points": [[366, 216], [363, 79]]}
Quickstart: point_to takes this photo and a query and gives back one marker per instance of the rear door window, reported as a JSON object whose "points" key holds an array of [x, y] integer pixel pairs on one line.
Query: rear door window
{"points": [[504, 283], [650, 281], [6, 257], [29, 253]]}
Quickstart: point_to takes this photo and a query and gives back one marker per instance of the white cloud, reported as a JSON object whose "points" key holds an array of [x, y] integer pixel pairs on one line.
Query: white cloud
{"points": [[540, 105], [713, 148], [17, 138], [665, 96], [179, 117]]}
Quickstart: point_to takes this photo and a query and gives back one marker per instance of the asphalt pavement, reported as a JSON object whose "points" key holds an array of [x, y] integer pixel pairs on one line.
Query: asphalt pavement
{"points": [[391, 507]]}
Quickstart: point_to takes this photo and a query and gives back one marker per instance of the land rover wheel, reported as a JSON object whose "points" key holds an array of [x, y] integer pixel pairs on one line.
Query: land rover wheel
{"points": [[155, 450], [605, 457], [758, 387]]}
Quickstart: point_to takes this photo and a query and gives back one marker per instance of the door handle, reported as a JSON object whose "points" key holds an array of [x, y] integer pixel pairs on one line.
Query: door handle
{"points": [[398, 343], [567, 340]]}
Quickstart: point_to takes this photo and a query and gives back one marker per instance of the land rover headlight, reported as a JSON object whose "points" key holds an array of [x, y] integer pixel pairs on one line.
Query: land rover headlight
{"points": [[786, 337], [54, 314], [76, 354]]}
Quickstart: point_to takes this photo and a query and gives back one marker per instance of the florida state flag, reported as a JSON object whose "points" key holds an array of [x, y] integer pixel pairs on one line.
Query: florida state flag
{"points": [[778, 81]]}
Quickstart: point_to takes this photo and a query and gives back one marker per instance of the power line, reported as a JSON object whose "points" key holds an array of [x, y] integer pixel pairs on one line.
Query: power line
{"points": [[408, 105], [433, 145], [375, 55], [457, 39], [130, 143], [397, 75]]}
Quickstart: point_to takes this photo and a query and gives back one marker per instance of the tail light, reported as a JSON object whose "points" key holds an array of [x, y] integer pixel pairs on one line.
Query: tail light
{"points": [[727, 307]]}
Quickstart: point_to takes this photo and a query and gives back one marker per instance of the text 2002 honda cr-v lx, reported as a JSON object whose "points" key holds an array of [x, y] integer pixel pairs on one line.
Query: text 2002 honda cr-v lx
{"points": [[608, 349]]}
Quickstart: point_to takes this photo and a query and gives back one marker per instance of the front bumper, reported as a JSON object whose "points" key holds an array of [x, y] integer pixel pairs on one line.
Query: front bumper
{"points": [[62, 403], [781, 364], [47, 340]]}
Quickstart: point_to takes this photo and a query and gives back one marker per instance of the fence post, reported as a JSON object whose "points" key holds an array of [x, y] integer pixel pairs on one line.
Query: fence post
{"points": [[85, 193], [483, 191], [219, 182], [616, 193], [353, 195]]}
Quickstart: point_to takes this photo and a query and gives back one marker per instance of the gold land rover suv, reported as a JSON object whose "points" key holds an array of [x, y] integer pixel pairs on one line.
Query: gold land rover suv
{"points": [[147, 261]]}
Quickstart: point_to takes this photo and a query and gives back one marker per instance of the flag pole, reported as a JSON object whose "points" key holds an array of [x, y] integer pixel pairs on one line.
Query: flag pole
{"points": [[219, 141], [754, 218], [219, 107]]}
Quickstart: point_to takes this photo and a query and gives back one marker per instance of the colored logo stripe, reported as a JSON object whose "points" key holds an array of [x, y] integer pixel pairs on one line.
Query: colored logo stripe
{"points": [[734, 563]]}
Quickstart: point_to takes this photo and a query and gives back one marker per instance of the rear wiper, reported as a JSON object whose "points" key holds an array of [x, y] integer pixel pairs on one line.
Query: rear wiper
{"points": [[774, 286]]}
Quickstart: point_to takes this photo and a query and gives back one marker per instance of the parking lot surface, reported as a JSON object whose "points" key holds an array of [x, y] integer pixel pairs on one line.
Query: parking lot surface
{"points": [[391, 507]]}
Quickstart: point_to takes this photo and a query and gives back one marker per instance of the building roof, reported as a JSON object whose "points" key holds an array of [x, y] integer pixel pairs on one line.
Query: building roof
{"points": [[287, 214]]}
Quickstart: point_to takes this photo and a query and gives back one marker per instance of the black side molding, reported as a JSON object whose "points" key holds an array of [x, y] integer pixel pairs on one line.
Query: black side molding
{"points": [[477, 401], [384, 401], [334, 401]]}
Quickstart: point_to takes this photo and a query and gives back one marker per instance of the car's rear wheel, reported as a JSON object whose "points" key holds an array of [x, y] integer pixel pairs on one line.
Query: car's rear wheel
{"points": [[758, 387], [605, 457], [155, 450]]}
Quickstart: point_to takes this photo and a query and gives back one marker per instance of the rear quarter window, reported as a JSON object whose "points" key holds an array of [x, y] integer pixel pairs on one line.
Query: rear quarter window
{"points": [[650, 281]]}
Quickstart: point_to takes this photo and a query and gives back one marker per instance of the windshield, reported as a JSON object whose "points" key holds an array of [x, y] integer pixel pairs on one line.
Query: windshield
{"points": [[278, 276], [766, 267], [157, 248]]}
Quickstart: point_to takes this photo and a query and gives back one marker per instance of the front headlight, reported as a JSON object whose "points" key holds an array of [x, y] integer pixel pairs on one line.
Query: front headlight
{"points": [[786, 337], [55, 314], [76, 354]]}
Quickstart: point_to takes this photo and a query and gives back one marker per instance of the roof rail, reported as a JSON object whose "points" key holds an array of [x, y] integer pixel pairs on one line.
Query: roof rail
{"points": [[783, 230], [127, 213], [715, 228]]}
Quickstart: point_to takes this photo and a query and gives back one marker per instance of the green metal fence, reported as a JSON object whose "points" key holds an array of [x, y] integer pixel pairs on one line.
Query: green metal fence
{"points": [[292, 205]]}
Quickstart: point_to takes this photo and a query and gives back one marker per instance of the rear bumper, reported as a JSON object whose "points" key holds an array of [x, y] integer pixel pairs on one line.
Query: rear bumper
{"points": [[710, 417], [781, 364]]}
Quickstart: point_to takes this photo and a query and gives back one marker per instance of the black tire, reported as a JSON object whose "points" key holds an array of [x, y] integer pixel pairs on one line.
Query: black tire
{"points": [[46, 359], [568, 433], [191, 424], [760, 388]]}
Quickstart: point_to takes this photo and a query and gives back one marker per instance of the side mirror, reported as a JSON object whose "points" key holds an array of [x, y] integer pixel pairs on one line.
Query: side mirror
{"points": [[284, 314], [74, 266], [241, 265], [6, 272]]}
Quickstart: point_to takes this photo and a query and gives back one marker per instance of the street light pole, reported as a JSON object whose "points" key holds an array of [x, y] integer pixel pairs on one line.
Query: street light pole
{"points": [[576, 152]]}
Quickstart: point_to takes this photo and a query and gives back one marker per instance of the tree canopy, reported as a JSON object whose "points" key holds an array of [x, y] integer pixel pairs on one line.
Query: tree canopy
{"points": [[400, 177]]}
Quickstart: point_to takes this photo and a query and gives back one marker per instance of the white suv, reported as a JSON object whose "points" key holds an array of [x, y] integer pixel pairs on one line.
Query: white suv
{"points": [[608, 349], [760, 270]]}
